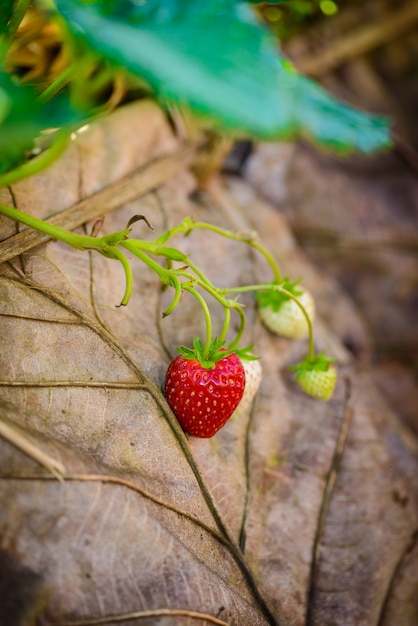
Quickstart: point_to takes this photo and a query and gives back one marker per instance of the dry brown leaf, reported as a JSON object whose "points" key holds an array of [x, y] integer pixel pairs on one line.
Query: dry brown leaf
{"points": [[301, 512]]}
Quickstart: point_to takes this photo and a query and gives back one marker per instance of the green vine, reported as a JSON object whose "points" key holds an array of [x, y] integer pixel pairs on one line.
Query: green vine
{"points": [[186, 278]]}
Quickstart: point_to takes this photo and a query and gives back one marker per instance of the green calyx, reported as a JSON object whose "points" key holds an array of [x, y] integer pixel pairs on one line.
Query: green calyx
{"points": [[246, 354], [216, 352], [319, 363], [276, 298]]}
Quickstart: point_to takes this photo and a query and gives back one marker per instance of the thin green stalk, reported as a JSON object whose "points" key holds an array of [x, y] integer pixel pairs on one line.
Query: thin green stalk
{"points": [[55, 232], [181, 229], [208, 320], [272, 263], [234, 236], [200, 274], [56, 86], [241, 329], [200, 279], [163, 274], [269, 287], [167, 276], [117, 254], [177, 295], [37, 164], [19, 11], [207, 286], [108, 247], [227, 304], [225, 327], [308, 321], [170, 277]]}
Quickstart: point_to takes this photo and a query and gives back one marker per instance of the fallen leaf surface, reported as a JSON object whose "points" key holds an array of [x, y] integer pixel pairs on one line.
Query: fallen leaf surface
{"points": [[297, 513]]}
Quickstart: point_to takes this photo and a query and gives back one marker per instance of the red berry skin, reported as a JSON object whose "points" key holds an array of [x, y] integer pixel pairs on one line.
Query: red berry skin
{"points": [[204, 399]]}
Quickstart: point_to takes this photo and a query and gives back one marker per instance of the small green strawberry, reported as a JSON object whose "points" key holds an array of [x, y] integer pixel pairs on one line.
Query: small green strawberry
{"points": [[282, 315], [316, 376], [253, 374], [203, 393]]}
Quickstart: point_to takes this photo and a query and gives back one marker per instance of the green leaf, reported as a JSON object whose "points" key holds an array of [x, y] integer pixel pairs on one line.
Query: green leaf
{"points": [[23, 118], [6, 11], [308, 111], [19, 125], [215, 56], [5, 104], [212, 55]]}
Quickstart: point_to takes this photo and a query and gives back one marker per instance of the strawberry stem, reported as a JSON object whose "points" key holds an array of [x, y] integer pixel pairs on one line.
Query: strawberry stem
{"points": [[200, 274], [163, 274], [177, 295], [188, 225], [117, 254], [109, 247], [225, 327], [81, 242], [202, 302], [240, 330]]}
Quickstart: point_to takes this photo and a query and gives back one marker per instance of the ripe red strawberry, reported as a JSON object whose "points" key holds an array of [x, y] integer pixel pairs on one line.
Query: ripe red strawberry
{"points": [[203, 394], [282, 315], [253, 374], [317, 377]]}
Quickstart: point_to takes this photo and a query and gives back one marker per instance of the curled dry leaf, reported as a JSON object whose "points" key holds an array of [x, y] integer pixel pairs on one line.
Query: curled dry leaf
{"points": [[298, 511]]}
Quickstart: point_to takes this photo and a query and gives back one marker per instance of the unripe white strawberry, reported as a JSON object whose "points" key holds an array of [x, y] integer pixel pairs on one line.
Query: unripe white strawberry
{"points": [[320, 385], [316, 376], [253, 374], [282, 315]]}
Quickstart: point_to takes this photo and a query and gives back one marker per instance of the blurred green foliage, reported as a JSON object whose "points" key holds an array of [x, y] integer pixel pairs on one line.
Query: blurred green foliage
{"points": [[217, 57]]}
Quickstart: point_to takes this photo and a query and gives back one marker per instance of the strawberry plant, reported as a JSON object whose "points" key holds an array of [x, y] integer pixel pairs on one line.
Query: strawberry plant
{"points": [[204, 57]]}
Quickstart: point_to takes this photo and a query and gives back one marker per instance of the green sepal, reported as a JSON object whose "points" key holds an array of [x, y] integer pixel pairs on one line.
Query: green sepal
{"points": [[275, 298], [246, 354], [319, 363], [216, 352]]}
